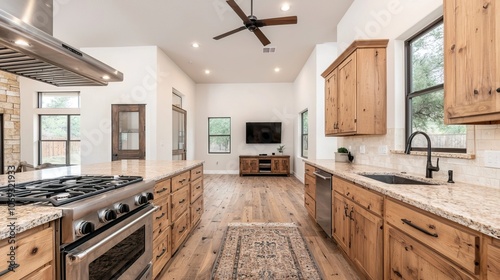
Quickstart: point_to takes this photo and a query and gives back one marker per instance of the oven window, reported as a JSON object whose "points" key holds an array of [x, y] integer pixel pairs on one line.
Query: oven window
{"points": [[118, 259]]}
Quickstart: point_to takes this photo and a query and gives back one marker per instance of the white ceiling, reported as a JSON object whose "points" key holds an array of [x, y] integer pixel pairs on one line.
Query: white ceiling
{"points": [[173, 25]]}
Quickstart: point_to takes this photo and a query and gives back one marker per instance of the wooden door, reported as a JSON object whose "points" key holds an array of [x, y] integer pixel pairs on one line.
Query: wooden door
{"points": [[249, 165], [279, 165], [472, 54], [493, 262], [128, 131], [179, 122], [331, 103], [347, 95], [408, 259], [341, 221], [367, 242]]}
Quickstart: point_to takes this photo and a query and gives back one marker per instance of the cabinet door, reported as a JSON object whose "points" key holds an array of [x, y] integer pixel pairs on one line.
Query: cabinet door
{"points": [[331, 103], [249, 165], [367, 242], [408, 259], [341, 221], [472, 46], [347, 95], [493, 262]]}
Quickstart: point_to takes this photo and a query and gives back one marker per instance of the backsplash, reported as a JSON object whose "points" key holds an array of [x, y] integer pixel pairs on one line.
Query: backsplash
{"points": [[10, 109], [481, 140]]}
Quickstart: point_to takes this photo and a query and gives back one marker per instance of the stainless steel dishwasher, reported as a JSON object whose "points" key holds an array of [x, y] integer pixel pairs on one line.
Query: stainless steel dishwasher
{"points": [[324, 200]]}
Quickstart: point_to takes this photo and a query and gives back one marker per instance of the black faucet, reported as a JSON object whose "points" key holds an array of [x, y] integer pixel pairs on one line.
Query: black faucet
{"points": [[429, 168]]}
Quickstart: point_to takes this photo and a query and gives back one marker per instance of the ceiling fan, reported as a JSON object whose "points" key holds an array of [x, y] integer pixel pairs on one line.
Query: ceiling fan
{"points": [[252, 23]]}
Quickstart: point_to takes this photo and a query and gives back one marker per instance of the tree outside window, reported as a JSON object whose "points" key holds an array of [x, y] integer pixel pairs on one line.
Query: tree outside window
{"points": [[219, 135], [425, 92]]}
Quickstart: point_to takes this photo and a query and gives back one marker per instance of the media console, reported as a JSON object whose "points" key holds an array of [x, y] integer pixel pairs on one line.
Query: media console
{"points": [[265, 165]]}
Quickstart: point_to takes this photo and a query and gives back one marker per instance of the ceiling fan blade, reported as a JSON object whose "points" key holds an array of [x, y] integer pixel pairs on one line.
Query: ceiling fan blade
{"points": [[263, 39], [238, 11], [277, 21], [229, 33]]}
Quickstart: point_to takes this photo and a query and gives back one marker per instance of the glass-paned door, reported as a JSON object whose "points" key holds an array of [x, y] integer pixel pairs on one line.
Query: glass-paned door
{"points": [[178, 133], [129, 129]]}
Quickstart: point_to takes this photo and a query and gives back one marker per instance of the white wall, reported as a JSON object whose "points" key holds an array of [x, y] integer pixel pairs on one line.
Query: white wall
{"points": [[397, 20], [148, 79], [242, 103], [309, 93]]}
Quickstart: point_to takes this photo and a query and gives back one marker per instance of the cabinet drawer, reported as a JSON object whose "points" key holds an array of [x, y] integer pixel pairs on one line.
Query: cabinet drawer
{"points": [[310, 204], [180, 229], [310, 186], [180, 181], [453, 241], [161, 252], [196, 189], [160, 219], [33, 251], [493, 260], [309, 169], [196, 172], [180, 202], [46, 273], [162, 189], [369, 200], [196, 211]]}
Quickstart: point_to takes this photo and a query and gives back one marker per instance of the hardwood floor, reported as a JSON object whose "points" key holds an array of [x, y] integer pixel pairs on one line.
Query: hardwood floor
{"points": [[230, 198]]}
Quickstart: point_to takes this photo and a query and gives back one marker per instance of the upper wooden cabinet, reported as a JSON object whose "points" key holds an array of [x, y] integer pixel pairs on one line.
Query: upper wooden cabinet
{"points": [[472, 61], [355, 90]]}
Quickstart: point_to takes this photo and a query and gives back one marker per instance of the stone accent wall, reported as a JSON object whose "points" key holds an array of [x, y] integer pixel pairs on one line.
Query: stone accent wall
{"points": [[10, 108]]}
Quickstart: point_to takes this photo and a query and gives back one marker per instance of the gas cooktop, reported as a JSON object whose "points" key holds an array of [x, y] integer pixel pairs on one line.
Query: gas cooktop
{"points": [[62, 190]]}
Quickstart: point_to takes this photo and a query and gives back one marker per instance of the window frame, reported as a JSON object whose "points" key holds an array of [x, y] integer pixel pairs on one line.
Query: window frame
{"points": [[409, 94], [40, 97], [67, 141], [306, 111], [222, 135]]}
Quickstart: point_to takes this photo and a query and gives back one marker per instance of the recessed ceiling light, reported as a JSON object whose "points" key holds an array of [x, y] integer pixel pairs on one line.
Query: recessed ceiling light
{"points": [[207, 71], [21, 42], [285, 7], [105, 77], [195, 45], [277, 69]]}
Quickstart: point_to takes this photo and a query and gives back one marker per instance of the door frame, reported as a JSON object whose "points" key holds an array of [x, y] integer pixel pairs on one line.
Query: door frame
{"points": [[181, 152], [116, 154]]}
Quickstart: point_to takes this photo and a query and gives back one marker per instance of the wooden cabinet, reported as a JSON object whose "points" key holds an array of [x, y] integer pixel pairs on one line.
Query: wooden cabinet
{"points": [[161, 226], [453, 241], [264, 165], [493, 259], [472, 61], [357, 228], [355, 90], [310, 190], [408, 259], [34, 254], [196, 197]]}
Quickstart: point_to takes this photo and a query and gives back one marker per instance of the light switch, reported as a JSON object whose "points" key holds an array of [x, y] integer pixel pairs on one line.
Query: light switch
{"points": [[362, 149]]}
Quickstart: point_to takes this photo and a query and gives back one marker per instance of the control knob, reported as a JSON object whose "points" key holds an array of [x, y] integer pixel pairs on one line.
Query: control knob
{"points": [[150, 196], [122, 208], [141, 199], [84, 227], [107, 215]]}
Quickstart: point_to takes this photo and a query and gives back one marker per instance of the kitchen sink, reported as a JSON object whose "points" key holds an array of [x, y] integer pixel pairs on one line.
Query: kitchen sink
{"points": [[395, 179]]}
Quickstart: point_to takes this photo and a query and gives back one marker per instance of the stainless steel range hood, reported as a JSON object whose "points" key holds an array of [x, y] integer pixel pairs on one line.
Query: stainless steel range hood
{"points": [[28, 49]]}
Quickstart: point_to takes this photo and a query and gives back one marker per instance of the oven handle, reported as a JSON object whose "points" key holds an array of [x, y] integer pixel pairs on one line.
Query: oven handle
{"points": [[80, 256]]}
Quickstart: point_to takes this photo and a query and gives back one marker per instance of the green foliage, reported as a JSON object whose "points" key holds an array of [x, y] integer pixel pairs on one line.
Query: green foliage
{"points": [[280, 148], [219, 130], [342, 150]]}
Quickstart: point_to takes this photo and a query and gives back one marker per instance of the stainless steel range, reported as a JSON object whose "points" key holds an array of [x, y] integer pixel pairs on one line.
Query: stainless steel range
{"points": [[106, 228]]}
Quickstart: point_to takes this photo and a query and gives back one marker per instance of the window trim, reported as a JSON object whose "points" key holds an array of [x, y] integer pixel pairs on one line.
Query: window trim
{"points": [[67, 141], [409, 95], [40, 93], [224, 135], [302, 132]]}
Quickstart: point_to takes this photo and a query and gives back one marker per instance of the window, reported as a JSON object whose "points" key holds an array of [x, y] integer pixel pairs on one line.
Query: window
{"points": [[59, 134], [425, 93], [219, 135], [305, 133]]}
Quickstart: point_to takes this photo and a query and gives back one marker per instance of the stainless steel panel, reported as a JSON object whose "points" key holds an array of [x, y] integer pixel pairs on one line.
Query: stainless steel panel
{"points": [[324, 201], [37, 13]]}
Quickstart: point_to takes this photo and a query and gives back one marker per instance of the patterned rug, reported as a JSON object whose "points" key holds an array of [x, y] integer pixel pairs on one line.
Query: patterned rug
{"points": [[264, 251]]}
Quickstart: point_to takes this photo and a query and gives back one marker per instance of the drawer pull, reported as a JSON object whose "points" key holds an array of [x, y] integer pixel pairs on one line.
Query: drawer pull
{"points": [[198, 210], [398, 274], [182, 201], [162, 214], [350, 214], [418, 228], [183, 229], [198, 172], [161, 254], [162, 190], [345, 210], [198, 187], [183, 180], [11, 268], [307, 204]]}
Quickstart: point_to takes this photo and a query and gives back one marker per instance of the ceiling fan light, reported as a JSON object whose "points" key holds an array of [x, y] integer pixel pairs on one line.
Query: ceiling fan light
{"points": [[285, 7]]}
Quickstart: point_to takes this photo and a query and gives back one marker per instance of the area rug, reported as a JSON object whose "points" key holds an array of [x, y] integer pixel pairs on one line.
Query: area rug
{"points": [[264, 251]]}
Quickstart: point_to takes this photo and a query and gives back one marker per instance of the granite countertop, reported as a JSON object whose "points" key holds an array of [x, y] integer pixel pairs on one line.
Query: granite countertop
{"points": [[30, 216], [475, 207]]}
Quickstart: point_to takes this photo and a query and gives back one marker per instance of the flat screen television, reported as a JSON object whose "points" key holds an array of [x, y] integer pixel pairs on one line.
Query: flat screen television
{"points": [[263, 132]]}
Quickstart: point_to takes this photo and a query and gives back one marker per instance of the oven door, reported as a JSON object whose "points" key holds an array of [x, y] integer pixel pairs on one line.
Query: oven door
{"points": [[122, 251]]}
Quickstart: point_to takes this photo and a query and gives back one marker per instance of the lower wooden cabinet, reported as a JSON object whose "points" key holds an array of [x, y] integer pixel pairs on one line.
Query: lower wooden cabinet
{"points": [[180, 230], [493, 259], [310, 191], [34, 254], [265, 165], [162, 252], [406, 258]]}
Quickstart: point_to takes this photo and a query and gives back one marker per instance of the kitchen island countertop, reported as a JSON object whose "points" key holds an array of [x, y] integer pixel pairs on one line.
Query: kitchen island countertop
{"points": [[30, 216], [473, 206]]}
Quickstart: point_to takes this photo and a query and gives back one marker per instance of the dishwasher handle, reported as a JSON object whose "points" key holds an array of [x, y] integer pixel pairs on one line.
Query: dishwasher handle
{"points": [[323, 175]]}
